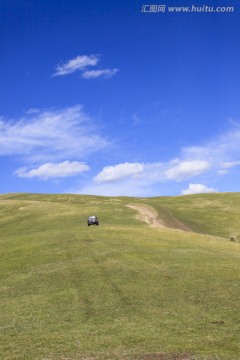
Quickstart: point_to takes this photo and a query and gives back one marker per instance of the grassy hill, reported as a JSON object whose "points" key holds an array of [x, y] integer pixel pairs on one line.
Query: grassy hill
{"points": [[216, 214], [121, 290]]}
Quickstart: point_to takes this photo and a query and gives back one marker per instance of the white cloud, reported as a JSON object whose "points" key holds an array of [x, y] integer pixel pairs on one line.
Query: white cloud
{"points": [[150, 173], [221, 152], [93, 74], [82, 63], [226, 166], [51, 135], [222, 172], [180, 170], [118, 172], [216, 157], [76, 64], [139, 179], [53, 170], [230, 164], [197, 189], [224, 148]]}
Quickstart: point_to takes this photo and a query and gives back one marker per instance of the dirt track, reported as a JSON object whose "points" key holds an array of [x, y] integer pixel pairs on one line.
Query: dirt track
{"points": [[148, 215], [151, 217]]}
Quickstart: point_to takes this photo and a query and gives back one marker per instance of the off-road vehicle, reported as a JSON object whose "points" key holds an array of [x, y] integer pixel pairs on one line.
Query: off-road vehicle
{"points": [[93, 220]]}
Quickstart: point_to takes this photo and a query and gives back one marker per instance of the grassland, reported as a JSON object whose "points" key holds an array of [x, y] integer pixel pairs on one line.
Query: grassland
{"points": [[121, 290]]}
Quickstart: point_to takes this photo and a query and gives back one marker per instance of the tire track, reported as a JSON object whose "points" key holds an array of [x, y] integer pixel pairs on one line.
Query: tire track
{"points": [[149, 215]]}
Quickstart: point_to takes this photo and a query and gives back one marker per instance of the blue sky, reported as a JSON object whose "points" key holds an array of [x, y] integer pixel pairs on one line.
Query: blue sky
{"points": [[104, 98]]}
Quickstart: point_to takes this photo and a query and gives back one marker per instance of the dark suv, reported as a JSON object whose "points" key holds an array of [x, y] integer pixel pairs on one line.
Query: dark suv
{"points": [[93, 220]]}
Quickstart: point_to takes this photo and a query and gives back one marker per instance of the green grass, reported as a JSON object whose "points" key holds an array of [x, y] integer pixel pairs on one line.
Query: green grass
{"points": [[216, 214], [120, 290]]}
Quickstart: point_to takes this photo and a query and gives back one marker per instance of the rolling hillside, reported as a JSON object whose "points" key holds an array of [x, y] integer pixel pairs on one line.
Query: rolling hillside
{"points": [[124, 289]]}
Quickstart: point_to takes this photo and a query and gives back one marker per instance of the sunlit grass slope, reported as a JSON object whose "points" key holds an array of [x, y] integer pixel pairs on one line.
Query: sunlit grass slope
{"points": [[217, 214], [121, 290]]}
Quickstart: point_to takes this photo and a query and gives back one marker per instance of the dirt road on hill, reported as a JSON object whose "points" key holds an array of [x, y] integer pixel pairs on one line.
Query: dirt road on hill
{"points": [[147, 214], [151, 217]]}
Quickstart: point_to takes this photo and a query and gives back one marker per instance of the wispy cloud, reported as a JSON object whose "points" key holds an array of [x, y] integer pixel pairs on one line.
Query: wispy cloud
{"points": [[197, 189], [223, 148], [230, 164], [82, 63], [180, 170], [93, 74], [225, 167], [53, 170], [78, 63], [51, 135]]}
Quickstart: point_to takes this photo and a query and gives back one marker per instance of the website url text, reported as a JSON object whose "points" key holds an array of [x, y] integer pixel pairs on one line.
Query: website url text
{"points": [[186, 9]]}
